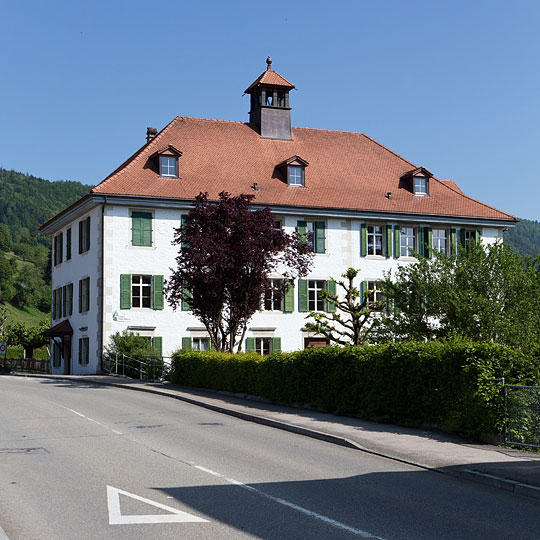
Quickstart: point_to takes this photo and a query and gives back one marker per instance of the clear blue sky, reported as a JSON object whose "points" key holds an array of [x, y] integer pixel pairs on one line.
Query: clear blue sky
{"points": [[453, 86]]}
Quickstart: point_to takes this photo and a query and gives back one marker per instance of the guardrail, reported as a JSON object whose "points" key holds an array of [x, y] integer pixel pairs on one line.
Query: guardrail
{"points": [[153, 368]]}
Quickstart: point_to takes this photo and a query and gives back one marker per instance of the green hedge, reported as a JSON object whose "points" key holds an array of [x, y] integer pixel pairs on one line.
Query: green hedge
{"points": [[448, 383]]}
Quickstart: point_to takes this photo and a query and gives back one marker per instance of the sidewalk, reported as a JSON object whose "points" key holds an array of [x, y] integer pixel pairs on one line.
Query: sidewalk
{"points": [[504, 468]]}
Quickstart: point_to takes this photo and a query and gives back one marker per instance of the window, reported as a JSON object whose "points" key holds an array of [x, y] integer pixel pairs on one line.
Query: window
{"points": [[468, 238], [273, 298], [314, 302], [440, 241], [84, 350], [67, 304], [57, 303], [314, 233], [141, 228], [84, 295], [84, 235], [200, 344], [374, 240], [420, 185], [168, 165], [141, 291], [296, 175], [68, 244], [58, 248], [376, 298], [263, 345], [56, 354], [407, 241], [278, 225]]}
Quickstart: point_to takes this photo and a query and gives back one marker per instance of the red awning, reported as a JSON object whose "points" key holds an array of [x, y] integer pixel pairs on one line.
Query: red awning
{"points": [[59, 330]]}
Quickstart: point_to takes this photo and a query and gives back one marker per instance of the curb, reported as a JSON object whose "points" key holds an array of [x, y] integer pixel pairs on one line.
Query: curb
{"points": [[468, 474]]}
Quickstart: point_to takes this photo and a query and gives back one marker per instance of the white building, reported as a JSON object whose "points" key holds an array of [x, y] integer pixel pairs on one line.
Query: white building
{"points": [[366, 205]]}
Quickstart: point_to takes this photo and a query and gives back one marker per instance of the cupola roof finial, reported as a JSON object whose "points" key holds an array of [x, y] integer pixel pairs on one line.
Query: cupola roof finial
{"points": [[269, 64]]}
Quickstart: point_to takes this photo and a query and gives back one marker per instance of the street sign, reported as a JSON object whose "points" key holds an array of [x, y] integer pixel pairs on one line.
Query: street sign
{"points": [[3, 347]]}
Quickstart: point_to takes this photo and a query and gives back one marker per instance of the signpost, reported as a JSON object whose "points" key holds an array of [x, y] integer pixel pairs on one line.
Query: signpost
{"points": [[3, 350]]}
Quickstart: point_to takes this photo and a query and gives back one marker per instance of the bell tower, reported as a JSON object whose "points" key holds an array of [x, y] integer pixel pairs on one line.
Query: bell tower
{"points": [[269, 99]]}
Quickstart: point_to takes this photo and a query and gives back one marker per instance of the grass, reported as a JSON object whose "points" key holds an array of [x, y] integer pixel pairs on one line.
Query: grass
{"points": [[30, 316]]}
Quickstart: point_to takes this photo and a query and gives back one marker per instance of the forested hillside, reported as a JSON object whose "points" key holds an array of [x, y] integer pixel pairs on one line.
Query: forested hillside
{"points": [[26, 202], [524, 237]]}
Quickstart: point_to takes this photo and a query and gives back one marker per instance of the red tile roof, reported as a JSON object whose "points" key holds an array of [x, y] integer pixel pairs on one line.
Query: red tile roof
{"points": [[270, 77], [346, 171]]}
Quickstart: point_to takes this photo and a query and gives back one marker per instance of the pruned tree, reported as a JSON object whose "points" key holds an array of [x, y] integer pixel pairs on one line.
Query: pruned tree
{"points": [[354, 317], [228, 253], [29, 338]]}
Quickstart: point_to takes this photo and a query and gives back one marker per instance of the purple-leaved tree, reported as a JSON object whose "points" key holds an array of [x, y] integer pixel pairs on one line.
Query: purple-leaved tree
{"points": [[228, 254]]}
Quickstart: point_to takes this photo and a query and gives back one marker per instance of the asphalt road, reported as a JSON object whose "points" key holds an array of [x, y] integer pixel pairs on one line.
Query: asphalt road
{"points": [[84, 462]]}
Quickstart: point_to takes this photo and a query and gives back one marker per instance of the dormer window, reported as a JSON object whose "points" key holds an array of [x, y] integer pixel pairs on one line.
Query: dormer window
{"points": [[421, 185], [296, 175], [168, 165], [293, 171], [166, 161], [416, 181]]}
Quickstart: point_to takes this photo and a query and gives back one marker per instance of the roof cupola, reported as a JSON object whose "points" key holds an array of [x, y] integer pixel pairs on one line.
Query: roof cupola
{"points": [[270, 109]]}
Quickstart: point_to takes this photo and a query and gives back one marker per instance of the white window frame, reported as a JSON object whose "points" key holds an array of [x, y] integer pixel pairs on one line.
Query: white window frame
{"points": [[142, 288], [468, 238], [165, 166], [314, 302], [376, 295], [374, 233], [269, 297], [263, 345], [296, 179], [405, 241], [420, 185], [201, 343], [439, 242]]}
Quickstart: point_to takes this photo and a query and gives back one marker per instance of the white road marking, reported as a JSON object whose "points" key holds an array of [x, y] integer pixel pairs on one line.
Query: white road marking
{"points": [[116, 517], [325, 519], [91, 420]]}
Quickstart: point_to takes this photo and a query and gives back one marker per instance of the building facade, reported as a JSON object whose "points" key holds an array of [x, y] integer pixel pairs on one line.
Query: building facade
{"points": [[365, 206]]}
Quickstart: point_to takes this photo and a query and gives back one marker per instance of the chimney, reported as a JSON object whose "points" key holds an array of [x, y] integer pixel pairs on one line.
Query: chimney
{"points": [[150, 133]]}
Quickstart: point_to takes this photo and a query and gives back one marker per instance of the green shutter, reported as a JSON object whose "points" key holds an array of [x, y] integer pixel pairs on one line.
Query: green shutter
{"points": [[87, 247], [68, 244], [141, 229], [186, 293], [363, 289], [64, 301], [453, 242], [87, 298], [186, 344], [302, 295], [331, 288], [428, 240], [301, 227], [477, 235], [70, 305], [363, 239], [388, 241], [80, 296], [289, 299], [276, 344], [421, 242], [61, 247], [397, 241], [462, 237], [320, 237], [125, 291], [157, 345], [80, 236], [250, 344], [183, 219], [158, 292]]}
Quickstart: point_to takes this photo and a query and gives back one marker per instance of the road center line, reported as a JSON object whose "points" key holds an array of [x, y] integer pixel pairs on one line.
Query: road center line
{"points": [[325, 519], [91, 420]]}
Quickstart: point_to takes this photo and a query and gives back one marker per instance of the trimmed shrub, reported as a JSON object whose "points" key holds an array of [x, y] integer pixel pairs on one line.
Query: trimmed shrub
{"points": [[446, 383]]}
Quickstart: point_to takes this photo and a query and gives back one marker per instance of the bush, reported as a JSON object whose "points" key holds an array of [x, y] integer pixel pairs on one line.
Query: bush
{"points": [[445, 383], [135, 353]]}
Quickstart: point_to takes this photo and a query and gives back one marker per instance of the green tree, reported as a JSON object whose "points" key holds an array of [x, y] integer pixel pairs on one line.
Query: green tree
{"points": [[7, 271], [31, 290], [351, 320], [485, 293], [6, 243], [29, 338]]}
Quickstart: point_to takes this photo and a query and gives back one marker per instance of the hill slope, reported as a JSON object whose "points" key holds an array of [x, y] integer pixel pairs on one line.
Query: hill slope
{"points": [[525, 237]]}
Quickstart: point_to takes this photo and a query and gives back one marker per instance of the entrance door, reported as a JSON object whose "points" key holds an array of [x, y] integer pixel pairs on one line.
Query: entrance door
{"points": [[66, 353]]}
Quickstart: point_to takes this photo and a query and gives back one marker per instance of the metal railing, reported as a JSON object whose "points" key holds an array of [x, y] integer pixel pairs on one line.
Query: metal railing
{"points": [[522, 404], [153, 368]]}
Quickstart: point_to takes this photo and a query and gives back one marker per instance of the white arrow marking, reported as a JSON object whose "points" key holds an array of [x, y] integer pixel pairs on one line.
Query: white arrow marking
{"points": [[116, 517]]}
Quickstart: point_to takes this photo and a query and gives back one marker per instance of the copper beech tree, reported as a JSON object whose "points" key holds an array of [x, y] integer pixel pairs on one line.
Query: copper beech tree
{"points": [[228, 254]]}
